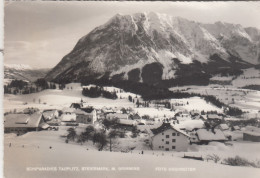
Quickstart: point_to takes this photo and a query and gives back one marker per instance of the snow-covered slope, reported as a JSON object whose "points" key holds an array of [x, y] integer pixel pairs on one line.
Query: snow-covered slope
{"points": [[128, 42]]}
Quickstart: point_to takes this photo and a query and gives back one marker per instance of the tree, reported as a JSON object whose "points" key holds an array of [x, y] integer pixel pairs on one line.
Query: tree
{"points": [[134, 132], [137, 103], [41, 82], [100, 138], [111, 135], [72, 134], [89, 132], [81, 138]]}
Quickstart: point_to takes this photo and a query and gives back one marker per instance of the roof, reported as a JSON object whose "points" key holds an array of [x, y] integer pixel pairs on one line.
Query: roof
{"points": [[252, 133], [48, 113], [224, 126], [126, 122], [164, 127], [236, 127], [213, 116], [81, 112], [118, 115], [70, 110], [68, 117], [22, 120], [204, 134]]}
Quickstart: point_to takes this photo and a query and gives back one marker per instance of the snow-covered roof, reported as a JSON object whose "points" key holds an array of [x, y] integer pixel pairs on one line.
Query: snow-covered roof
{"points": [[190, 124], [48, 113], [22, 120], [127, 122], [208, 135], [166, 126], [214, 116], [117, 115], [224, 126], [236, 127], [69, 110], [68, 117]]}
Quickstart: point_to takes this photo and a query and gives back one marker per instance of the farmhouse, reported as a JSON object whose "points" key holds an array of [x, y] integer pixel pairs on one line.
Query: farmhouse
{"points": [[117, 115], [168, 138], [205, 136], [24, 123], [86, 117]]}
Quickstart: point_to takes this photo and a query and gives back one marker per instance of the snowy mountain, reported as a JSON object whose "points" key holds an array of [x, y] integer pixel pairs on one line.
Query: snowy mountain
{"points": [[152, 47], [23, 72]]}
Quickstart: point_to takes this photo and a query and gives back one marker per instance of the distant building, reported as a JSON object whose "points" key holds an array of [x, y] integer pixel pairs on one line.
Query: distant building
{"points": [[85, 117], [21, 123], [117, 115], [168, 138]]}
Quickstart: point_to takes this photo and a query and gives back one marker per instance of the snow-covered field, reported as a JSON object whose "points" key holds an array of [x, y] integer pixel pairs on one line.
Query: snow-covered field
{"points": [[58, 99], [247, 100], [32, 151]]}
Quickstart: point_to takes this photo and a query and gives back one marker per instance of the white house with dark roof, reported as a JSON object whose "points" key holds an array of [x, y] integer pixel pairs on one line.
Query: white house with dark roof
{"points": [[24, 122], [168, 138]]}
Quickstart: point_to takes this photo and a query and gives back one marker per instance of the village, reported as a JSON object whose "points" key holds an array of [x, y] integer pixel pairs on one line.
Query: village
{"points": [[144, 126]]}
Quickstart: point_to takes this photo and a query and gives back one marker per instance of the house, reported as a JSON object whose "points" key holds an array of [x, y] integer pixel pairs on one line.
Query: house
{"points": [[251, 136], [168, 138], [50, 114], [86, 117], [208, 135], [20, 123], [116, 115]]}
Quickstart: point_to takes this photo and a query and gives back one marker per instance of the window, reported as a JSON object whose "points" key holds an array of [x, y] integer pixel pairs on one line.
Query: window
{"points": [[166, 149], [178, 134], [167, 136], [159, 146], [162, 139], [173, 147], [162, 146], [167, 142], [173, 134], [173, 140], [162, 133]]}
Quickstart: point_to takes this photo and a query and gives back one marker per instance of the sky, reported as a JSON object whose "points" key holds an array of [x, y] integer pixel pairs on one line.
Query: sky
{"points": [[39, 34]]}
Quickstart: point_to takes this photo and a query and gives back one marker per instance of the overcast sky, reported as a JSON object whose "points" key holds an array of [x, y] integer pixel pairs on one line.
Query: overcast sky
{"points": [[41, 33]]}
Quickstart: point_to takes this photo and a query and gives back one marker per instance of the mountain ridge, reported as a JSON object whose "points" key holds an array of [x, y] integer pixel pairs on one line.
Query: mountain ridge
{"points": [[130, 42]]}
